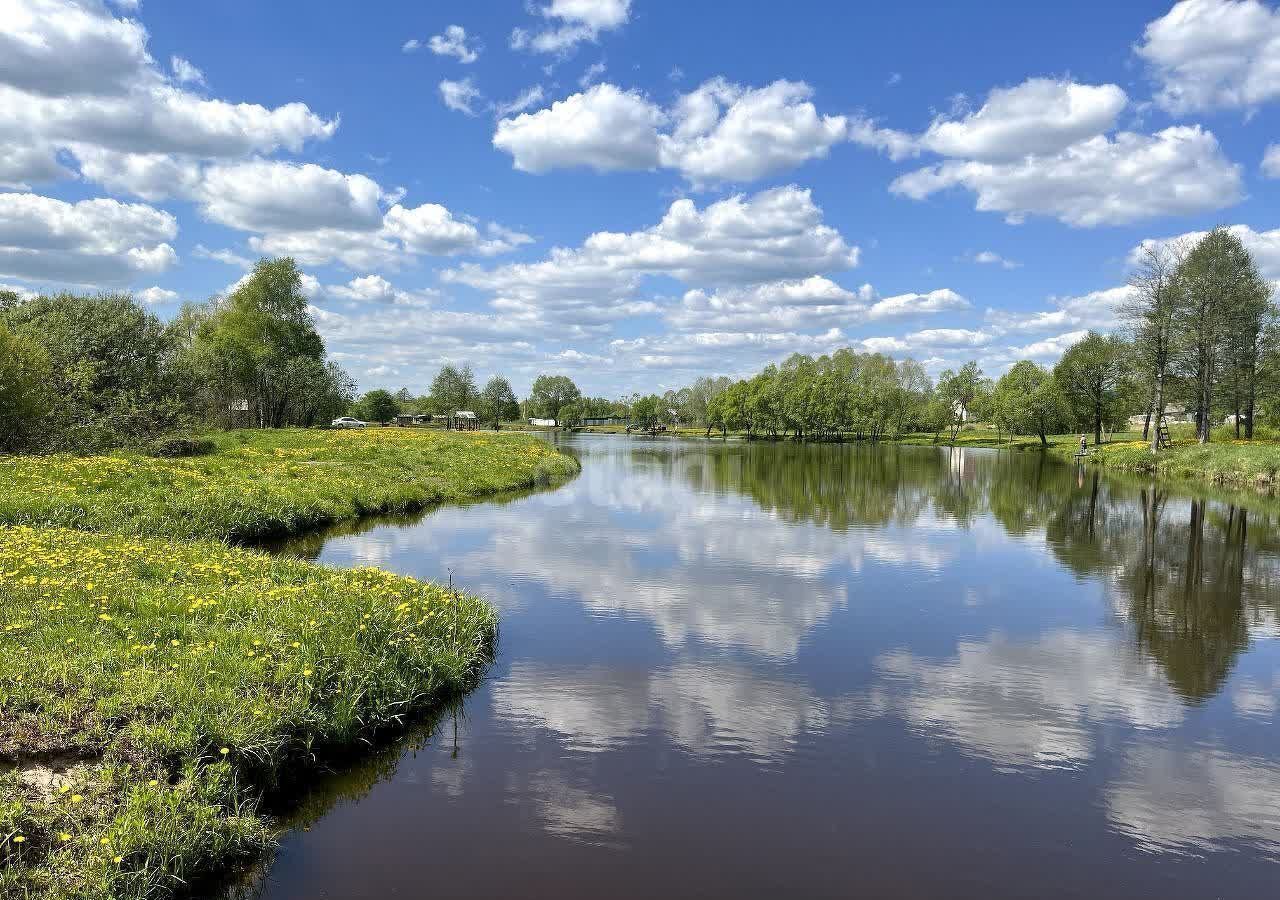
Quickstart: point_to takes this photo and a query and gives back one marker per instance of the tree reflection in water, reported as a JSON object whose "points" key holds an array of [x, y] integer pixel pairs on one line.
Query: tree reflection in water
{"points": [[1189, 572]]}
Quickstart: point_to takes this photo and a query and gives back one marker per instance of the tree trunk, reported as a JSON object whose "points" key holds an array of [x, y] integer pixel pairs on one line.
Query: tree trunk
{"points": [[1248, 404], [1157, 412], [1206, 404]]}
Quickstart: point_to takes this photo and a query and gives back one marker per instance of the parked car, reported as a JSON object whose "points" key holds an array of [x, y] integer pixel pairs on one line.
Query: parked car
{"points": [[348, 422]]}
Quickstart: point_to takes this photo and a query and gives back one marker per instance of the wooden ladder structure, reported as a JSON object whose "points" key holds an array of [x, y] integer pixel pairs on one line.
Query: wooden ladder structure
{"points": [[1163, 441]]}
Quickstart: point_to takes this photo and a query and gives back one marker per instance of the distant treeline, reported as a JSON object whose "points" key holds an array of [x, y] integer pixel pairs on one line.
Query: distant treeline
{"points": [[1199, 341]]}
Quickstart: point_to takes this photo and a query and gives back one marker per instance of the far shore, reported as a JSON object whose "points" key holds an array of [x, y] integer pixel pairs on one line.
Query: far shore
{"points": [[1252, 465]]}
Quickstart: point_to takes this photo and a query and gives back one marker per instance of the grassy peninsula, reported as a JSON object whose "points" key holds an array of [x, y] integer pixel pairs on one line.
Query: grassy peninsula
{"points": [[159, 683], [271, 481]]}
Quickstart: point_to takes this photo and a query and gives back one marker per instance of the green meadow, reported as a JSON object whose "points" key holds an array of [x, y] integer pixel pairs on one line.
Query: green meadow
{"points": [[159, 683]]}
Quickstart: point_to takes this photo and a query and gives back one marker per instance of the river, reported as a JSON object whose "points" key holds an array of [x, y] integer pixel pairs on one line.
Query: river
{"points": [[763, 670]]}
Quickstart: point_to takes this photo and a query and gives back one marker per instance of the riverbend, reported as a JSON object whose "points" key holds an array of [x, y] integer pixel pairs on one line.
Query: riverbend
{"points": [[737, 670]]}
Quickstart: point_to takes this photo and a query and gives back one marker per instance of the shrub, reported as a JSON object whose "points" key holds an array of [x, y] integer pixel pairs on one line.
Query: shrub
{"points": [[105, 370], [24, 395]]}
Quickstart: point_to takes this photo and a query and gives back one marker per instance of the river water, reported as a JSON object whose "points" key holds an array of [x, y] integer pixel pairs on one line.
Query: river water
{"points": [[769, 670]]}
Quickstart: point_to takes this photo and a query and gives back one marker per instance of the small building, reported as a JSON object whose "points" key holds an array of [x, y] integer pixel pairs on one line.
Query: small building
{"points": [[605, 420], [407, 419], [543, 423], [465, 420]]}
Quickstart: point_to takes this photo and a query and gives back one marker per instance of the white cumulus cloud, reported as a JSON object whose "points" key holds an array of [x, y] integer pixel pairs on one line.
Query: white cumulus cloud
{"points": [[1099, 181], [571, 23], [453, 43], [991, 258], [603, 128], [91, 242], [813, 302], [59, 47], [904, 305], [725, 132], [774, 235], [1096, 310], [1039, 116], [156, 296], [75, 77], [264, 195], [718, 132], [1214, 54]]}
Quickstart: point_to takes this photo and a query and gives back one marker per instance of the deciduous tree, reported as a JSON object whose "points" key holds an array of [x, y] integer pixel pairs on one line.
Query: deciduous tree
{"points": [[551, 393], [1092, 375], [498, 401]]}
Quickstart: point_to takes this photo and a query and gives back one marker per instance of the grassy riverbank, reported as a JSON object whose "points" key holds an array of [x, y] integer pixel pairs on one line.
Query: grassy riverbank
{"points": [[1237, 464], [157, 683], [259, 483], [153, 690], [1226, 462]]}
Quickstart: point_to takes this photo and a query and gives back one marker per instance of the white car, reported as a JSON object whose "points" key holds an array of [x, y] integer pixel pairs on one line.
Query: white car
{"points": [[348, 422]]}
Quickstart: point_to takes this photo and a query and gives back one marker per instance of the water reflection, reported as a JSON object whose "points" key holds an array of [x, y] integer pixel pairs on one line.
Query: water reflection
{"points": [[1029, 702], [705, 710], [701, 636], [1194, 799]]}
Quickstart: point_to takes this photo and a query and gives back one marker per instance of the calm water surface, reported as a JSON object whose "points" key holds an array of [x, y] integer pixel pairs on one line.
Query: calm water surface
{"points": [[829, 671]]}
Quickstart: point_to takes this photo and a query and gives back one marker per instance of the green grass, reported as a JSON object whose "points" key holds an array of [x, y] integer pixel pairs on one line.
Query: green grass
{"points": [[159, 684], [1240, 464], [260, 483], [177, 681], [1223, 461]]}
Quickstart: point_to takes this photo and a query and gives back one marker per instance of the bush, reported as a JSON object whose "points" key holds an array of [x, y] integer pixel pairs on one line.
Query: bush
{"points": [[24, 394], [105, 370], [172, 447]]}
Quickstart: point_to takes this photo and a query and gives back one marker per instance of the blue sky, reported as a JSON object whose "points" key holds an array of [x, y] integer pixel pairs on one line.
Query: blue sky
{"points": [[634, 192]]}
